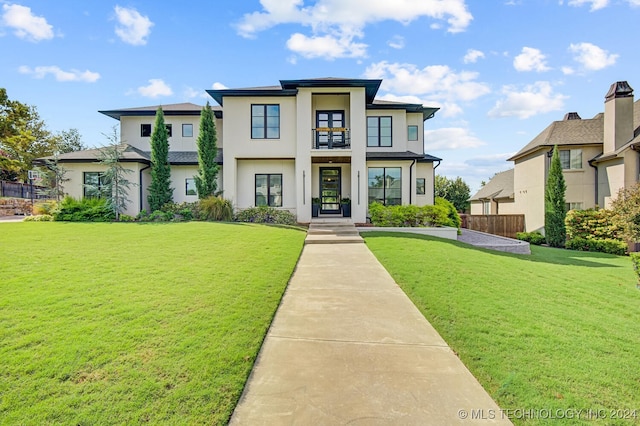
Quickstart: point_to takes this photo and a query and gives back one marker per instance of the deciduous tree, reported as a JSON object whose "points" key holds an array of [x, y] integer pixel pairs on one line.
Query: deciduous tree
{"points": [[455, 190]]}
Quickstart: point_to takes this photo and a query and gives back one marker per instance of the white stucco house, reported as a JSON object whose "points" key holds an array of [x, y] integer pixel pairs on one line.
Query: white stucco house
{"points": [[283, 146]]}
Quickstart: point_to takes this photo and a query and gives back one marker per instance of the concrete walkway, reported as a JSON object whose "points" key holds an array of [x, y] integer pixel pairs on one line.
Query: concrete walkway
{"points": [[347, 346]]}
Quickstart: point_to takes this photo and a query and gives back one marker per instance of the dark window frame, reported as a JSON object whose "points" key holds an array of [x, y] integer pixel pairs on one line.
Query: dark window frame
{"points": [[378, 127], [85, 189], [145, 130], [186, 186], [264, 126], [384, 187], [169, 128], [423, 185], [268, 197]]}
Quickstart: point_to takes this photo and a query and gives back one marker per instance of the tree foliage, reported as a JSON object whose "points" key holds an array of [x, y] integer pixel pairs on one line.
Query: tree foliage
{"points": [[554, 203], [160, 191], [626, 212], [54, 178], [115, 185], [69, 141], [454, 190], [207, 177]]}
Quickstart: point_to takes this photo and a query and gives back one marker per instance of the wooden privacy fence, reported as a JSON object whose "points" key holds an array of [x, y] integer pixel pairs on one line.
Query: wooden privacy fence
{"points": [[20, 190], [505, 225]]}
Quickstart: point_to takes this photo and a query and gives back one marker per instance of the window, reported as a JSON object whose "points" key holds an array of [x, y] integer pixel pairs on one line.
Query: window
{"points": [[385, 185], [573, 206], [145, 130], [265, 121], [378, 131], [421, 187], [169, 129], [412, 133], [93, 183], [269, 190], [486, 207], [187, 130], [190, 186], [571, 158]]}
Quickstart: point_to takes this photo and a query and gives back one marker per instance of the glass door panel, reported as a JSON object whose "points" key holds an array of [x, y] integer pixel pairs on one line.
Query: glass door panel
{"points": [[329, 190]]}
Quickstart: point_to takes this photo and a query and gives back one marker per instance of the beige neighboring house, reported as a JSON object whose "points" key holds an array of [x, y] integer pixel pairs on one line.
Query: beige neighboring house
{"points": [[599, 156], [282, 146], [496, 196]]}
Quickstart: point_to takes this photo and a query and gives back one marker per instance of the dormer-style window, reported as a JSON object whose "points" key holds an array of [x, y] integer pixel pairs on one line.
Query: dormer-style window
{"points": [[265, 121]]}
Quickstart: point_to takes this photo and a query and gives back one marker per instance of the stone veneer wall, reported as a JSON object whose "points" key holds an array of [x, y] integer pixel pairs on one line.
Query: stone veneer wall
{"points": [[14, 206]]}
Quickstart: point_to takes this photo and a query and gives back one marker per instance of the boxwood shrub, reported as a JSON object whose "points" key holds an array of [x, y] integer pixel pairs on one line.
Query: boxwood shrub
{"points": [[408, 215], [603, 245], [534, 237], [265, 214]]}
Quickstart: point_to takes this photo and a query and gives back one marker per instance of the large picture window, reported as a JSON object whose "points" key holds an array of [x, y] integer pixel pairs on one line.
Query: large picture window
{"points": [[269, 190], [571, 158], [93, 183], [385, 185], [265, 121], [378, 131]]}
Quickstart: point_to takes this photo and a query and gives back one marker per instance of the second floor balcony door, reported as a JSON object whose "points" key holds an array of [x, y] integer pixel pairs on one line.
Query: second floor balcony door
{"points": [[330, 130]]}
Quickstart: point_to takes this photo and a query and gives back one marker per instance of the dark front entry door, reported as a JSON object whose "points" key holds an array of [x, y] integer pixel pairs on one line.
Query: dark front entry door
{"points": [[329, 190]]}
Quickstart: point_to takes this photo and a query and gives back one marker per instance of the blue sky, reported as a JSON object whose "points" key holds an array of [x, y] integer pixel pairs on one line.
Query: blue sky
{"points": [[500, 70]]}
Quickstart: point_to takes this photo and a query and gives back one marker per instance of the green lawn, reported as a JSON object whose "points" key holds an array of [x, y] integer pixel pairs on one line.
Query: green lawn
{"points": [[133, 323], [555, 330]]}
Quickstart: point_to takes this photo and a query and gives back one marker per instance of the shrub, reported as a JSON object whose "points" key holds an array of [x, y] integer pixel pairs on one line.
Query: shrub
{"points": [[45, 207], [266, 214], [126, 218], [182, 211], [84, 210], [534, 237], [159, 216], [604, 245], [408, 215], [635, 260], [215, 208], [592, 223], [39, 218], [452, 213]]}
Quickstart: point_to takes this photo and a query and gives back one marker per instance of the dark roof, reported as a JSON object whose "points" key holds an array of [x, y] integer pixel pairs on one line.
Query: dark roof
{"points": [[370, 86], [185, 108], [406, 155], [131, 154], [500, 186], [427, 112]]}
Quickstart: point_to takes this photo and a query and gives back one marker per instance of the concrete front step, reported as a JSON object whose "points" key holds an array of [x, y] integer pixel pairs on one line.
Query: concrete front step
{"points": [[333, 239], [332, 233]]}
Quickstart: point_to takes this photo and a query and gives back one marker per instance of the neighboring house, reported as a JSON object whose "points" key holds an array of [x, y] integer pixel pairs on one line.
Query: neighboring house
{"points": [[282, 146], [599, 156], [496, 196]]}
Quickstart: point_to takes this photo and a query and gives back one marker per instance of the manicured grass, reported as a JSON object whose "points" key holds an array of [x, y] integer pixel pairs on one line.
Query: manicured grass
{"points": [[555, 330], [132, 323]]}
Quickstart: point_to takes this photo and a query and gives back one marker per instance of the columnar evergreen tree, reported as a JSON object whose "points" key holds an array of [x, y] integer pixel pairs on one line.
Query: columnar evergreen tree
{"points": [[554, 203], [207, 177], [160, 191]]}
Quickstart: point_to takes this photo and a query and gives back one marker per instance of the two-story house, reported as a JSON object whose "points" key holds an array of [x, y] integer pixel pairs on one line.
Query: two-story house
{"points": [[283, 146], [599, 156]]}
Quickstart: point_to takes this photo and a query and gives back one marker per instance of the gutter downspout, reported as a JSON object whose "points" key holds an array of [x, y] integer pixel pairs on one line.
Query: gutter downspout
{"points": [[411, 179], [434, 180], [596, 181], [142, 170]]}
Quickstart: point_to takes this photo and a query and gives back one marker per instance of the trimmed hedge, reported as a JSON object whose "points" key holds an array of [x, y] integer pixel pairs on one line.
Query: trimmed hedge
{"points": [[409, 215], [266, 214], [592, 223], [535, 237], [454, 218], [604, 245]]}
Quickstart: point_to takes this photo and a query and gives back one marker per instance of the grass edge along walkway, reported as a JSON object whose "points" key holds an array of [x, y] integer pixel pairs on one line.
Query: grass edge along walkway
{"points": [[556, 330], [133, 323]]}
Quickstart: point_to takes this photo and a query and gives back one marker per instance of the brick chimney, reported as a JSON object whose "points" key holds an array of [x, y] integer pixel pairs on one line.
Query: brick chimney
{"points": [[572, 116], [618, 116]]}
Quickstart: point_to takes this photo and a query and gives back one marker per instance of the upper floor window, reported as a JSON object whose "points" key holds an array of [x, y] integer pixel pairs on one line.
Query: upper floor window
{"points": [[169, 129], [265, 121], [571, 158], [187, 130], [412, 133], [378, 131], [145, 130]]}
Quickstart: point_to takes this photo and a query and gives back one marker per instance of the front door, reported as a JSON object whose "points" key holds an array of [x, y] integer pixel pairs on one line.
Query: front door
{"points": [[330, 190]]}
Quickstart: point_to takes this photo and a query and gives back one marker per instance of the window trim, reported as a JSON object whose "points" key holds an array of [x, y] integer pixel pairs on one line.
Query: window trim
{"points": [[183, 127], [169, 128], [142, 132], [412, 126], [264, 117], [384, 186], [84, 185], [186, 187], [379, 136], [423, 185], [255, 189], [571, 159]]}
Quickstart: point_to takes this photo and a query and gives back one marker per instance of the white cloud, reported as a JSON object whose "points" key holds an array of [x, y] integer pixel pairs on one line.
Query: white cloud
{"points": [[530, 59], [472, 56], [132, 28], [25, 24], [218, 86], [60, 75], [534, 99], [157, 87], [568, 70], [595, 4], [327, 47], [592, 57], [439, 83], [341, 21], [397, 42], [448, 138]]}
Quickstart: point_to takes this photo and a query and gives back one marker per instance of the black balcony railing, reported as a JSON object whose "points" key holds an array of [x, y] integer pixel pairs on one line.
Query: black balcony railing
{"points": [[331, 138]]}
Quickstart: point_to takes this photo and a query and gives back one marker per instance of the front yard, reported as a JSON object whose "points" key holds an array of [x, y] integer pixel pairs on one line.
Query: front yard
{"points": [[556, 330], [134, 323]]}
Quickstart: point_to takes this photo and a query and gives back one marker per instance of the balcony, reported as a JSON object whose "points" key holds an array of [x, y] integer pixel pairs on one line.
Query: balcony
{"points": [[331, 138]]}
